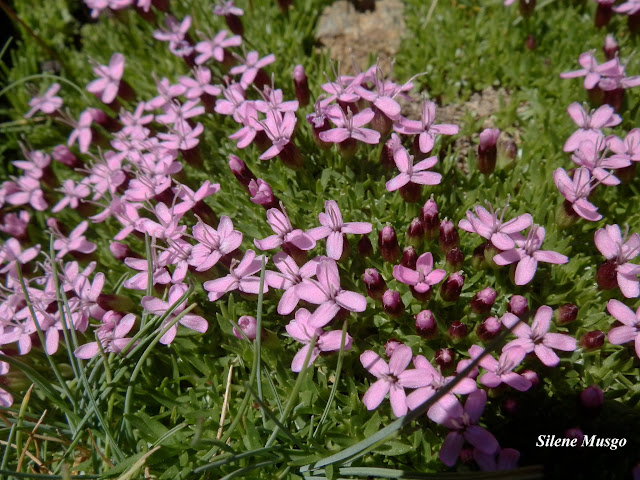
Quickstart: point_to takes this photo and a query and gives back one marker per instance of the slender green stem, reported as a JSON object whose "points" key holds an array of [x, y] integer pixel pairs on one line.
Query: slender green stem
{"points": [[258, 342]]}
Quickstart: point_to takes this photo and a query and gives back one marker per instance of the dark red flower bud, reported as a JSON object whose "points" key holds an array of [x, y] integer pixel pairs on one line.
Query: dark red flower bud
{"points": [[510, 406], [576, 433], [466, 456], [411, 192], [388, 244], [454, 259], [426, 325], [530, 42], [374, 283], [62, 154], [592, 398], [610, 47], [603, 17], [444, 358], [291, 156], [415, 233], [527, 7], [519, 306], [430, 219], [380, 122], [458, 330], [364, 246], [488, 150], [241, 171], [483, 300], [606, 275], [386, 153], [615, 97], [409, 258], [449, 237], [566, 313], [478, 258], [115, 302], [420, 296], [301, 85], [248, 325], [391, 346], [592, 340], [452, 287], [121, 251], [489, 329], [234, 23], [392, 303], [532, 377]]}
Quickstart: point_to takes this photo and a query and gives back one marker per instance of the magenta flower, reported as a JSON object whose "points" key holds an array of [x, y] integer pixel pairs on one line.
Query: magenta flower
{"points": [[73, 194], [159, 307], [249, 69], [261, 193], [501, 370], [628, 148], [349, 126], [284, 233], [214, 48], [25, 190], [328, 294], [11, 254], [279, 128], [592, 156], [234, 99], [590, 125], [410, 173], [590, 70], [423, 277], [333, 229], [630, 330], [392, 378], [424, 128], [528, 254], [301, 331], [488, 225], [621, 251], [106, 87], [463, 425], [175, 34], [576, 191], [289, 277], [110, 336], [159, 276], [76, 242], [536, 338], [199, 84], [47, 103], [213, 244], [241, 277]]}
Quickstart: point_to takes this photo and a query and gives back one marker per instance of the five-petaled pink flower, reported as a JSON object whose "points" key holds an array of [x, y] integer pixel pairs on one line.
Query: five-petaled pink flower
{"points": [[241, 277], [590, 124], [350, 126], [47, 103], [410, 173], [213, 244], [110, 336], [423, 277], [528, 254], [630, 330], [536, 338], [392, 378], [106, 87], [424, 128], [501, 370], [284, 233], [488, 225], [576, 191], [249, 69], [333, 228], [621, 250]]}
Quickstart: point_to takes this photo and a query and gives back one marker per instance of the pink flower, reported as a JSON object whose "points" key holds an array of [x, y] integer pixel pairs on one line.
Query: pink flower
{"points": [[349, 126], [590, 125], [528, 254], [300, 330], [289, 277], [425, 128], [333, 228], [73, 193], [76, 242], [501, 371], [261, 193], [279, 128], [630, 330], [159, 307], [111, 336], [410, 173], [106, 87], [241, 277], [25, 190], [536, 338], [488, 225], [199, 84], [12, 255], [249, 69], [591, 156], [576, 191], [214, 48], [284, 233], [463, 425], [47, 103], [392, 378], [328, 294], [82, 132], [213, 244], [423, 277], [613, 246]]}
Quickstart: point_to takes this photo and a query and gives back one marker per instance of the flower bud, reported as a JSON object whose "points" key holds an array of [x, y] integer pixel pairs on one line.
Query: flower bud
{"points": [[610, 47], [478, 258], [604, 12], [487, 150], [444, 358], [374, 283], [415, 233], [592, 340], [592, 398], [364, 246], [532, 377], [566, 216], [409, 258], [391, 346], [426, 325], [62, 154], [240, 171], [530, 42], [248, 325], [301, 85], [574, 433], [458, 330], [388, 244], [452, 287], [566, 313], [410, 192], [519, 306], [606, 275], [261, 194], [121, 251], [449, 237], [489, 329], [527, 7], [510, 406], [392, 303], [386, 153], [509, 149], [430, 219], [466, 456], [454, 259], [483, 300]]}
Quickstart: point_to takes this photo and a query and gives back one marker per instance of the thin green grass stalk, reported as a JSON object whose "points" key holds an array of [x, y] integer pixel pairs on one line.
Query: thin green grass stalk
{"points": [[242, 471], [258, 344], [273, 418], [334, 387], [273, 389], [525, 473], [43, 75], [147, 248], [21, 414], [234, 458], [5, 455], [52, 364], [294, 393], [42, 476]]}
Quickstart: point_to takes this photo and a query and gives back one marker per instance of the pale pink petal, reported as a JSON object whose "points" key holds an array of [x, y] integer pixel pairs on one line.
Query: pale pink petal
{"points": [[351, 301], [546, 355], [525, 270]]}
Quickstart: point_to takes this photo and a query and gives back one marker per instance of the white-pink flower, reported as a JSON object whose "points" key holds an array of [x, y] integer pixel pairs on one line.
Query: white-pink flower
{"points": [[630, 330]]}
